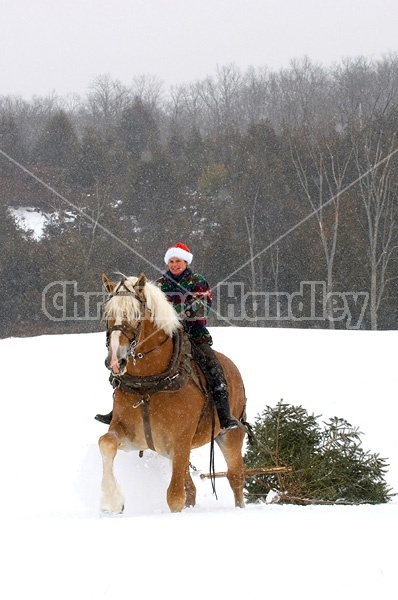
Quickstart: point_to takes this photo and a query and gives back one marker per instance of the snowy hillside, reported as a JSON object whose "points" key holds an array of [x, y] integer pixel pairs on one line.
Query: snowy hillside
{"points": [[30, 219]]}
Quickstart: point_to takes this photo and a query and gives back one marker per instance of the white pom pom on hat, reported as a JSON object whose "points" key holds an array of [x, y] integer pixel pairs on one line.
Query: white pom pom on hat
{"points": [[179, 250]]}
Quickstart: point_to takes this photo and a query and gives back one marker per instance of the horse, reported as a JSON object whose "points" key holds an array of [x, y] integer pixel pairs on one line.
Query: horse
{"points": [[160, 400]]}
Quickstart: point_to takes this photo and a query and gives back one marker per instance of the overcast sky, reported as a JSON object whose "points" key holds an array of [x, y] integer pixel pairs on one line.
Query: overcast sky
{"points": [[63, 45]]}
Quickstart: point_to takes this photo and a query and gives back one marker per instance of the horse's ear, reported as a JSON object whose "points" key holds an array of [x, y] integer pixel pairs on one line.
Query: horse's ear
{"points": [[108, 284], [139, 285]]}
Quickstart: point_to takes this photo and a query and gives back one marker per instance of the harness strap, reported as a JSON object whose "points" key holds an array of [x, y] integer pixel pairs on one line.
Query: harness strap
{"points": [[147, 423], [174, 378]]}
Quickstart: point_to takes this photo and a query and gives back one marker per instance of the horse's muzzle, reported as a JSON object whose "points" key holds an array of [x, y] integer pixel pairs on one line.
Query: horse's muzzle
{"points": [[122, 365]]}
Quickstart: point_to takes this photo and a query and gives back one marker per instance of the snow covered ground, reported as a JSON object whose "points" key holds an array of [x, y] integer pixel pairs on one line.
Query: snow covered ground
{"points": [[56, 546]]}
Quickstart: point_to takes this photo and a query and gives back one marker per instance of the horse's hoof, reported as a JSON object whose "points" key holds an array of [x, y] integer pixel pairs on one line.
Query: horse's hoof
{"points": [[112, 515]]}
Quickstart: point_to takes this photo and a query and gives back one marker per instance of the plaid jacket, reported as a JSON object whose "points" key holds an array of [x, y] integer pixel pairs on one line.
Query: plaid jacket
{"points": [[191, 297]]}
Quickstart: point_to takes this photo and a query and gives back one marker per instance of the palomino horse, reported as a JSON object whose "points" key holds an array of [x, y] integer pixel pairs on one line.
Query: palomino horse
{"points": [[160, 401]]}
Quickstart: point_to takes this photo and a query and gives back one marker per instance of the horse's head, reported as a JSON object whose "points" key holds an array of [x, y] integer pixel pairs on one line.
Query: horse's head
{"points": [[131, 301], [123, 313]]}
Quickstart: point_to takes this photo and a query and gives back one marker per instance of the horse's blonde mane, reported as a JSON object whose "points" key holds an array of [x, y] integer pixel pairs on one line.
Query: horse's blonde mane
{"points": [[128, 307]]}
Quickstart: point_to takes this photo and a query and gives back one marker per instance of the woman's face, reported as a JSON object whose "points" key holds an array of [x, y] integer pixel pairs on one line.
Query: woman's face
{"points": [[177, 266]]}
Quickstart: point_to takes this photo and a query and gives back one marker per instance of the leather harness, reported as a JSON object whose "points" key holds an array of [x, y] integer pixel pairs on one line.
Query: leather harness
{"points": [[174, 378]]}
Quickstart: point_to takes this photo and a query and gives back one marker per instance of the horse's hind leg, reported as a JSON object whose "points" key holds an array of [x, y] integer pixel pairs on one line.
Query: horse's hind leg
{"points": [[230, 444], [112, 500], [190, 490]]}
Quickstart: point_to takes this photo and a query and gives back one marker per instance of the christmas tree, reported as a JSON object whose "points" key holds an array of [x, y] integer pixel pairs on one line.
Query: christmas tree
{"points": [[327, 464]]}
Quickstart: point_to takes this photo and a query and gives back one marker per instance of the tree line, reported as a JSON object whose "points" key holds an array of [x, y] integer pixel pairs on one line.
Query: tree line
{"points": [[283, 184]]}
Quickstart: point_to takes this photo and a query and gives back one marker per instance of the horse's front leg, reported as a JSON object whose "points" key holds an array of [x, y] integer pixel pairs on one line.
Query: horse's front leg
{"points": [[112, 500], [176, 494]]}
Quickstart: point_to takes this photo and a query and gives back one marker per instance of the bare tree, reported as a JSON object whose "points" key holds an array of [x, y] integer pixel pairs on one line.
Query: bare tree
{"points": [[254, 98], [106, 100], [220, 96], [301, 95], [185, 108], [322, 175], [376, 164], [149, 89], [364, 89], [250, 221]]}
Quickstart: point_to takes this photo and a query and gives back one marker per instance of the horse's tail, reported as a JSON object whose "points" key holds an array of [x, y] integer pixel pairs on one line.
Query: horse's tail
{"points": [[249, 431]]}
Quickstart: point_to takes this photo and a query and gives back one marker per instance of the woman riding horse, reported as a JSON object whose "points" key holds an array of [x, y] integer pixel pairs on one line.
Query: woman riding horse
{"points": [[191, 297], [160, 400]]}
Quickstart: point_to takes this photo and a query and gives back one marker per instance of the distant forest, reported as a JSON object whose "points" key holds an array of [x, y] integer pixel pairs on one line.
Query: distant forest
{"points": [[283, 184]]}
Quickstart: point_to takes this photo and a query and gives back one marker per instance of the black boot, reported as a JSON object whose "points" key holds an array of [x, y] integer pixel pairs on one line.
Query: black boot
{"points": [[221, 401], [105, 418], [214, 374]]}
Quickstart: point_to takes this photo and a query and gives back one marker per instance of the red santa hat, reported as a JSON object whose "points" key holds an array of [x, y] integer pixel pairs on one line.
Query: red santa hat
{"points": [[179, 250]]}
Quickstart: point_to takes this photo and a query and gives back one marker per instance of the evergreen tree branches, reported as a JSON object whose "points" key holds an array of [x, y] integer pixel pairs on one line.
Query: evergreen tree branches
{"points": [[328, 464]]}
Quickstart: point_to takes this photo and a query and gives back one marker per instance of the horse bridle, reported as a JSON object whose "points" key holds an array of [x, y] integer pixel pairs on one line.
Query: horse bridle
{"points": [[122, 328], [133, 342]]}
